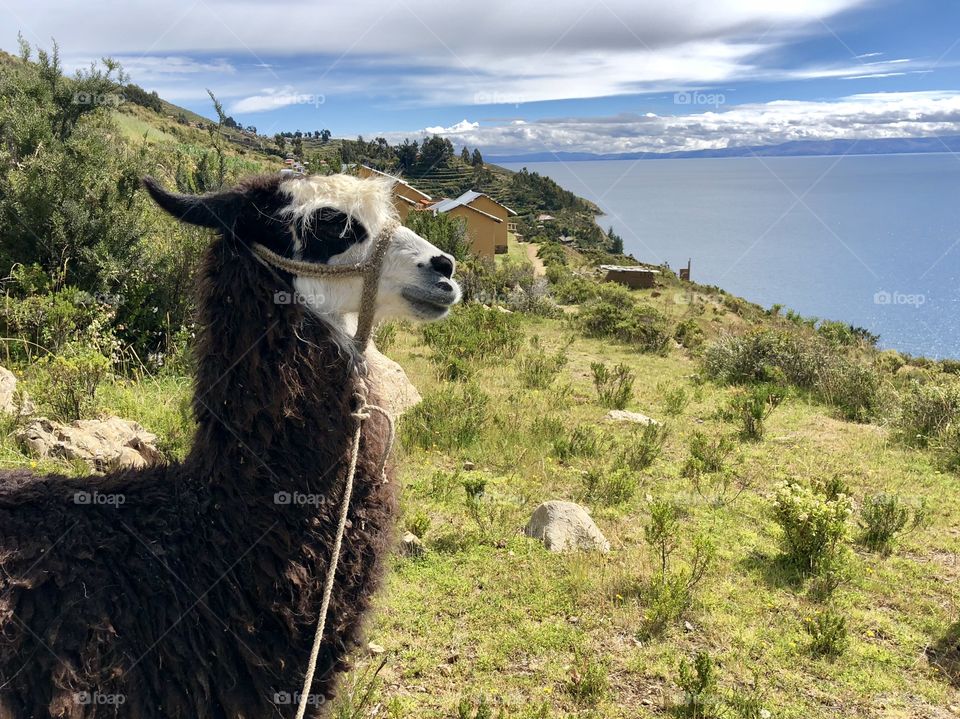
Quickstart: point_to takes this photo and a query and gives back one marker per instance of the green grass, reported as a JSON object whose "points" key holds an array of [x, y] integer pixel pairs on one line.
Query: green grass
{"points": [[490, 613]]}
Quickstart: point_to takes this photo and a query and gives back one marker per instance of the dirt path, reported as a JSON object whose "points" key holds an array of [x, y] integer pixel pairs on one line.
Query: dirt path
{"points": [[538, 269]]}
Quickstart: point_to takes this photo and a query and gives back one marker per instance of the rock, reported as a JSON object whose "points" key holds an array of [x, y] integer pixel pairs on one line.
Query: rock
{"points": [[565, 526], [411, 546], [621, 415], [375, 648], [10, 403], [394, 390], [469, 466], [105, 444], [688, 626]]}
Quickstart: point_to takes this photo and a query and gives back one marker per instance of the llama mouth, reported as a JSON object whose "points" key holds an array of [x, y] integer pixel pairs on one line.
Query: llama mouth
{"points": [[427, 304]]}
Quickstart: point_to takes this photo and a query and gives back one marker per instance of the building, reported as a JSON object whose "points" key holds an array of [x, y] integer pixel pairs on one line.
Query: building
{"points": [[406, 197], [483, 229], [479, 209], [634, 277]]}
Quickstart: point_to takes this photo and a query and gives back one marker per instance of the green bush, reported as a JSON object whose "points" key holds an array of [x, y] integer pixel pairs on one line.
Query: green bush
{"points": [[766, 355], [614, 386], [676, 401], [814, 528], [471, 335], [698, 682], [588, 683], [642, 447], [609, 485], [444, 231], [885, 517], [538, 369], [669, 593], [614, 317], [535, 300], [752, 407], [584, 441], [927, 410], [450, 418], [66, 383], [854, 389], [828, 633], [707, 455]]}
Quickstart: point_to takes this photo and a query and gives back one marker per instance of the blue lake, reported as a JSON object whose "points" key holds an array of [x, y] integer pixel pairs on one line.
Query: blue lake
{"points": [[870, 240]]}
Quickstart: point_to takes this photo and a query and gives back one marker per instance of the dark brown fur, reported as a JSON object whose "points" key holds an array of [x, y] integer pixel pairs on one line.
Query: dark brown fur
{"points": [[198, 596]]}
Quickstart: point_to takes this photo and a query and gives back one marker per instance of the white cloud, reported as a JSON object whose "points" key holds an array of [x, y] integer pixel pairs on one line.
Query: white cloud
{"points": [[863, 116], [507, 53], [275, 98], [458, 128]]}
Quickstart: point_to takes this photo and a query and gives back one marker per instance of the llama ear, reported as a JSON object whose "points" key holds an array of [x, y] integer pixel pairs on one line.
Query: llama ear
{"points": [[217, 210]]}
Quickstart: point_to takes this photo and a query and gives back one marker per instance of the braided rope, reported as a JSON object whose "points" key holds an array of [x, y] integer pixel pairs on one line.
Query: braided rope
{"points": [[370, 271]]}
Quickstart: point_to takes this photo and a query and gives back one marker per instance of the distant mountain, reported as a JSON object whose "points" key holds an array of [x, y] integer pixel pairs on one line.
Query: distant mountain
{"points": [[799, 148]]}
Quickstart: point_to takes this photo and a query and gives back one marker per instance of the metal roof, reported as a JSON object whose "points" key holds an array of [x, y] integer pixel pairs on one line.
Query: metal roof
{"points": [[628, 268], [448, 204]]}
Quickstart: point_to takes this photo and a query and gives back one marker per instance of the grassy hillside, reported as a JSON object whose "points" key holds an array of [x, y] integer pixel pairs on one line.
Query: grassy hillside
{"points": [[488, 620]]}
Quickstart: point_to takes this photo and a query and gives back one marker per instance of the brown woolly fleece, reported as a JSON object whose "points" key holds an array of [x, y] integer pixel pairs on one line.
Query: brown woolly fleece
{"points": [[198, 595]]}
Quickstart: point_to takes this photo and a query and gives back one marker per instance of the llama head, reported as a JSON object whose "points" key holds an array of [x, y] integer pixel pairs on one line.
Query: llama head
{"points": [[328, 220]]}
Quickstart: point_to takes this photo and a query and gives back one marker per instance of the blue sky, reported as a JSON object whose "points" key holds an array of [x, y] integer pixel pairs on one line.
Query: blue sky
{"points": [[591, 75]]}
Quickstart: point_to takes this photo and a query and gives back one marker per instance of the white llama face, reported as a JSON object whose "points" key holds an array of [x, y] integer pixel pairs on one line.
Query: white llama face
{"points": [[416, 281]]}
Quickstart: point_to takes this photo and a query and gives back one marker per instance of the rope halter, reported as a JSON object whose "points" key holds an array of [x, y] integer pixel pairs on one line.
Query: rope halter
{"points": [[369, 270]]}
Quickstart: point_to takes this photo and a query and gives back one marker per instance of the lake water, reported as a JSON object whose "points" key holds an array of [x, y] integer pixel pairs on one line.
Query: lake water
{"points": [[870, 240]]}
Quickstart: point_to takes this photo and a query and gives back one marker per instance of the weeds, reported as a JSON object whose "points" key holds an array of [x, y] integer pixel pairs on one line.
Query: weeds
{"points": [[676, 401], [588, 683], [828, 633], [538, 369], [886, 517], [614, 386], [609, 486], [706, 454], [451, 417], [752, 407], [642, 448], [584, 441]]}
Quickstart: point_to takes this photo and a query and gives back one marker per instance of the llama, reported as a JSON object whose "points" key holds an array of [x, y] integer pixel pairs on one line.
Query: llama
{"points": [[196, 595]]}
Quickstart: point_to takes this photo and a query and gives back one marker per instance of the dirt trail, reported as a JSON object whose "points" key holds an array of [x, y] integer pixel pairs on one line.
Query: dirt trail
{"points": [[538, 269]]}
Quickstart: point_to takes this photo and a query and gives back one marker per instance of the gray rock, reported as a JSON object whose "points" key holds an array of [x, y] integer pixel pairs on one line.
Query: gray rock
{"points": [[622, 415], [105, 444], [395, 391], [411, 546], [10, 402], [565, 527]]}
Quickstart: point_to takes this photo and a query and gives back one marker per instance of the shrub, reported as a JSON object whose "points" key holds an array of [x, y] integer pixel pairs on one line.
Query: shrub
{"points": [[706, 455], [445, 232], [814, 528], [385, 336], [670, 592], [538, 369], [828, 633], [752, 407], [885, 517], [588, 681], [643, 327], [688, 334], [852, 388], [765, 356], [675, 401], [535, 300], [698, 681], [472, 334], [614, 387], [609, 486], [642, 447], [418, 523], [451, 417], [584, 441], [67, 382], [927, 410]]}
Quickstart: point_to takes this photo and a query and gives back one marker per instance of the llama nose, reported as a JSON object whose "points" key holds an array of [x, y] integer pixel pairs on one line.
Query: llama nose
{"points": [[442, 264]]}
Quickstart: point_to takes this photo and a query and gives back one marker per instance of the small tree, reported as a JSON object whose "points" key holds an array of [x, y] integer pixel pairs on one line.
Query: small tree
{"points": [[465, 155], [477, 157]]}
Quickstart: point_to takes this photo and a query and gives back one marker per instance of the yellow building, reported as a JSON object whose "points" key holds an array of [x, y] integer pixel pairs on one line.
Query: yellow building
{"points": [[486, 221], [406, 197], [485, 203]]}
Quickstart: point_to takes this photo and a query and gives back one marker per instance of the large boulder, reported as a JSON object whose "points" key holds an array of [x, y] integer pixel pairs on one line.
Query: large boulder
{"points": [[395, 391], [104, 444], [10, 402], [565, 527]]}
